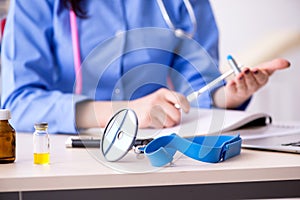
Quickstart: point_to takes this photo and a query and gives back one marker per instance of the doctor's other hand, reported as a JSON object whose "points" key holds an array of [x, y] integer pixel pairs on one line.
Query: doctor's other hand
{"points": [[245, 84], [158, 110]]}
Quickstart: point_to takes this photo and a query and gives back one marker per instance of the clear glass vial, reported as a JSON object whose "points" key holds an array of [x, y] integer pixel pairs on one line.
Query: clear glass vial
{"points": [[7, 138], [41, 144]]}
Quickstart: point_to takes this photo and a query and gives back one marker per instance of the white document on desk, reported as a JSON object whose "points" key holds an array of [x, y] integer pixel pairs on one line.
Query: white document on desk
{"points": [[208, 121], [271, 130], [274, 137]]}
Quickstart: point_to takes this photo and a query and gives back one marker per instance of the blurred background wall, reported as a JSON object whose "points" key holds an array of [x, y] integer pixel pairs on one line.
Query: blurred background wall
{"points": [[3, 7], [258, 30]]}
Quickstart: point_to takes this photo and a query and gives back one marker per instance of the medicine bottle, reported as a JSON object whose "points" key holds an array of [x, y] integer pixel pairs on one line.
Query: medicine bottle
{"points": [[7, 138], [41, 145]]}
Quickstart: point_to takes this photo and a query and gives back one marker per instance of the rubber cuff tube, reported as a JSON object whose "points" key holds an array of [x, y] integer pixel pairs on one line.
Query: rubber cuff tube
{"points": [[212, 149]]}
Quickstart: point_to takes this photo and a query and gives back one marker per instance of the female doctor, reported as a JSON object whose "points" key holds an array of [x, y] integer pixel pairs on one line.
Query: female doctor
{"points": [[45, 42]]}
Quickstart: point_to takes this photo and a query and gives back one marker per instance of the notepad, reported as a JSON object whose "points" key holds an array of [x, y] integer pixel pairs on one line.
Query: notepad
{"points": [[202, 122], [210, 121]]}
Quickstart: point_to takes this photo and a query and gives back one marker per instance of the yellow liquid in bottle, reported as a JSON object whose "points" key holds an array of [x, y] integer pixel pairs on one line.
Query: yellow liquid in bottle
{"points": [[41, 158]]}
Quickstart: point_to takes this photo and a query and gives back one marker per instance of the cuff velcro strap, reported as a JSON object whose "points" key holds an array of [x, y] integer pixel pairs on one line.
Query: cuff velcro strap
{"points": [[213, 149]]}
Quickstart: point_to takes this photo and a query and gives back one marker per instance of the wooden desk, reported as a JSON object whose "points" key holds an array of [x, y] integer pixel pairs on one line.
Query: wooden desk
{"points": [[79, 174]]}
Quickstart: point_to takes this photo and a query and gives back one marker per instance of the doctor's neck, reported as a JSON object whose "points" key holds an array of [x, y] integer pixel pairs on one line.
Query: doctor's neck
{"points": [[77, 6]]}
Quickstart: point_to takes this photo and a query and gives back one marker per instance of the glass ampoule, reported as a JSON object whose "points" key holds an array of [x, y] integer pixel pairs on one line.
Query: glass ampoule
{"points": [[41, 144]]}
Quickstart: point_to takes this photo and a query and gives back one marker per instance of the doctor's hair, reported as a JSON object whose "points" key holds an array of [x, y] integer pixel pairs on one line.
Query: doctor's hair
{"points": [[77, 6]]}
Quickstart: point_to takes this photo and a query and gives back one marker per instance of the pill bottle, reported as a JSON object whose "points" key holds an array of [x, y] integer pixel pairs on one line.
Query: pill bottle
{"points": [[41, 144], [7, 138]]}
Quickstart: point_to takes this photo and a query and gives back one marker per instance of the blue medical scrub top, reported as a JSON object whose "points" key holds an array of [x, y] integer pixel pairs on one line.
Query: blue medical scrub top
{"points": [[126, 47]]}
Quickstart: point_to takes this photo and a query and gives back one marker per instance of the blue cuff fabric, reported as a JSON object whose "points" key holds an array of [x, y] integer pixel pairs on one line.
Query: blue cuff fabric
{"points": [[210, 149]]}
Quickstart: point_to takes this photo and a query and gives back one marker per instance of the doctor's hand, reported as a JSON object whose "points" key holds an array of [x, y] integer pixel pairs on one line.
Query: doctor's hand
{"points": [[245, 84], [157, 110]]}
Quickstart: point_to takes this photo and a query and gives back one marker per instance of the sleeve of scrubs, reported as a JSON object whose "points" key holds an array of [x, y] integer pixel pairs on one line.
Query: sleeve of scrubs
{"points": [[29, 70], [199, 65]]}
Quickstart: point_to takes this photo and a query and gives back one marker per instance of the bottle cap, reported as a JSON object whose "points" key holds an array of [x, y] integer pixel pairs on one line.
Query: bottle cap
{"points": [[4, 114], [41, 125]]}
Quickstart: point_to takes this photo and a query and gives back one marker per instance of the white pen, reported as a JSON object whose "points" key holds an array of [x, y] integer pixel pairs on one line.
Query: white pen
{"points": [[193, 96], [233, 65]]}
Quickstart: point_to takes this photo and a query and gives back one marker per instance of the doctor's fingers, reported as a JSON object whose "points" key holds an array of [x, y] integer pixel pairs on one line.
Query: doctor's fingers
{"points": [[177, 99], [271, 66], [241, 86], [237, 88], [173, 114], [251, 83], [231, 85], [261, 76], [160, 118]]}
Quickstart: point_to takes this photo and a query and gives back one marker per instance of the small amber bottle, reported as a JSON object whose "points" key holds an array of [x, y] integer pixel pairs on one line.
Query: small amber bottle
{"points": [[7, 138]]}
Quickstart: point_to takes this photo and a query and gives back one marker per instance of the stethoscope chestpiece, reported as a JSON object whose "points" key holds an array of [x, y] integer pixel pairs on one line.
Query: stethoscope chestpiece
{"points": [[119, 135]]}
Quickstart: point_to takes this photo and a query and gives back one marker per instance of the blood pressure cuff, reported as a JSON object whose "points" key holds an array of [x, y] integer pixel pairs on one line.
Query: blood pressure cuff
{"points": [[212, 149]]}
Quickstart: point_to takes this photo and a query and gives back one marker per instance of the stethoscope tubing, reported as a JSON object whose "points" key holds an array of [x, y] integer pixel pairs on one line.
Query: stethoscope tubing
{"points": [[76, 53], [167, 19]]}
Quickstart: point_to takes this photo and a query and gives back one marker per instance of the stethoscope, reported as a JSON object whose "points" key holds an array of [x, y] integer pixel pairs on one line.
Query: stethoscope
{"points": [[75, 36]]}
